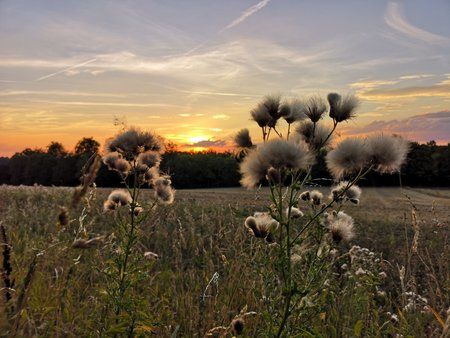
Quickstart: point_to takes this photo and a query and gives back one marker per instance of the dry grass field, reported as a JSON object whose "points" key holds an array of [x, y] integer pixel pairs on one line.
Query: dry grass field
{"points": [[202, 235]]}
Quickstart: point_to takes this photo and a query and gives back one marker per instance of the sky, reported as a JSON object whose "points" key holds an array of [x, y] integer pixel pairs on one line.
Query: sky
{"points": [[192, 70]]}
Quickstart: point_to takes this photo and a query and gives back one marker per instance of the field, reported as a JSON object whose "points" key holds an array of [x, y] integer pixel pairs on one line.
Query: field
{"points": [[202, 234]]}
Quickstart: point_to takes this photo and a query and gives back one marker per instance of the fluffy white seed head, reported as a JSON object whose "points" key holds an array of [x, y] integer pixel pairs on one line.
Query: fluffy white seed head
{"points": [[314, 108], [149, 158], [295, 212], [293, 111], [242, 139], [261, 225], [342, 108], [340, 225], [316, 137], [352, 194], [387, 153], [316, 197], [133, 141], [278, 154], [349, 156], [120, 197]]}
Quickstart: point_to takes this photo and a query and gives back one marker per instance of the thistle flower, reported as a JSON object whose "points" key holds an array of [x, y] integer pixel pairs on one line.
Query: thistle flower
{"points": [[295, 212], [387, 153], [317, 136], [120, 197], [342, 109], [151, 175], [352, 194], [252, 169], [87, 244], [333, 101], [261, 225], [292, 111], [316, 197], [149, 158], [133, 141], [137, 211], [314, 108], [260, 115], [110, 159], [163, 191], [109, 205], [122, 166], [340, 226], [273, 175], [237, 326], [305, 196], [150, 255], [279, 154], [272, 103], [242, 139], [349, 156]]}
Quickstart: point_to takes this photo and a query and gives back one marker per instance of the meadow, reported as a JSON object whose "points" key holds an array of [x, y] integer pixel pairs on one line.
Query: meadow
{"points": [[209, 270]]}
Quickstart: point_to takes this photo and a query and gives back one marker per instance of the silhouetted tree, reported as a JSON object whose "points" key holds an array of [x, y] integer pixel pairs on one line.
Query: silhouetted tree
{"points": [[87, 145]]}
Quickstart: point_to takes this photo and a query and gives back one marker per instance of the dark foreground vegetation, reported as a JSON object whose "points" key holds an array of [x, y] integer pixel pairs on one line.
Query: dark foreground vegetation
{"points": [[427, 165]]}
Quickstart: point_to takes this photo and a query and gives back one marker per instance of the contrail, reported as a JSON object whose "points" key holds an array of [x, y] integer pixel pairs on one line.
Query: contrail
{"points": [[245, 14], [66, 69]]}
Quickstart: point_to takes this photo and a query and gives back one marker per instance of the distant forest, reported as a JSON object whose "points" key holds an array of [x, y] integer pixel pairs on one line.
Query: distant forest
{"points": [[428, 165]]}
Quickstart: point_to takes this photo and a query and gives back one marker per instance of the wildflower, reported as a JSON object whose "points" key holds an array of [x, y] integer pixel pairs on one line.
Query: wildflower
{"points": [[273, 176], [109, 205], [282, 154], [261, 226], [149, 158], [87, 244], [260, 115], [151, 175], [133, 141], [340, 226], [352, 193], [137, 211], [315, 135], [63, 217], [122, 166], [150, 255], [314, 108], [279, 154], [110, 159], [272, 103], [163, 191], [350, 155], [305, 196], [295, 212], [120, 197], [316, 197], [342, 108], [292, 111], [237, 326], [242, 139], [387, 153]]}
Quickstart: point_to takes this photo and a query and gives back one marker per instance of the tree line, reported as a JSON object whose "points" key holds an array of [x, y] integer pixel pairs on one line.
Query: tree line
{"points": [[427, 165]]}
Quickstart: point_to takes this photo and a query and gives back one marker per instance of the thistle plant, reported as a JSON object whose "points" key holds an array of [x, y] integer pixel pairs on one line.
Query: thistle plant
{"points": [[303, 230], [135, 155]]}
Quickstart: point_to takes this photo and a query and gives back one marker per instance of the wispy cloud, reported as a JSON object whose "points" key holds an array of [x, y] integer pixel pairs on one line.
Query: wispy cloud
{"points": [[422, 128], [395, 19], [436, 90], [68, 69], [246, 14]]}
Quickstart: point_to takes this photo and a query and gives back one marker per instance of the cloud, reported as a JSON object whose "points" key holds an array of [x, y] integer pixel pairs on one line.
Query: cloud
{"points": [[395, 19], [437, 90], [68, 70], [422, 128], [209, 143], [221, 117], [246, 14]]}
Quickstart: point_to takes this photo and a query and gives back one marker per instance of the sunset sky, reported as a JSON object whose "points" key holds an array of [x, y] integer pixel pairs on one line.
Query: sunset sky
{"points": [[192, 70]]}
